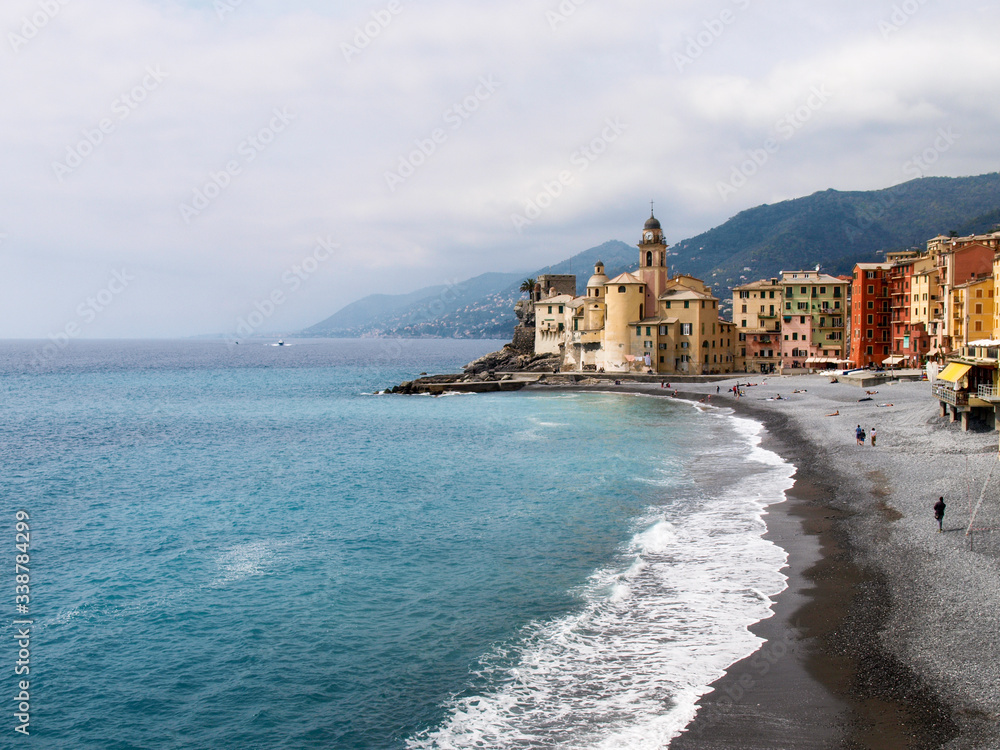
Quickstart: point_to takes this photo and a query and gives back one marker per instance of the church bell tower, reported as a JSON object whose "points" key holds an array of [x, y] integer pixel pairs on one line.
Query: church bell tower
{"points": [[653, 262]]}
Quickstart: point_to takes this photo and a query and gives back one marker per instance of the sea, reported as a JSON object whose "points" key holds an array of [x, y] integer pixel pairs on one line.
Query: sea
{"points": [[249, 546]]}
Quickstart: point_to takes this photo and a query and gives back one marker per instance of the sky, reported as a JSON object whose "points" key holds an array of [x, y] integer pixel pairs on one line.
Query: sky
{"points": [[174, 169]]}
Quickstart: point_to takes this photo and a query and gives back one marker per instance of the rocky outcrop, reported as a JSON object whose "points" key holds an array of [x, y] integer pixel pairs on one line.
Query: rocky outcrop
{"points": [[510, 359]]}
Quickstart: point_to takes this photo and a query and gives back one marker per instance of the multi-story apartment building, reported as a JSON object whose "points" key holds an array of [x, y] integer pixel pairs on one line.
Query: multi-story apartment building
{"points": [[958, 260], [871, 334], [757, 311], [972, 311], [812, 321]]}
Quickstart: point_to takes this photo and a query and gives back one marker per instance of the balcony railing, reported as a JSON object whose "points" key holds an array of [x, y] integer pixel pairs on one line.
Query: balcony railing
{"points": [[988, 393], [949, 395]]}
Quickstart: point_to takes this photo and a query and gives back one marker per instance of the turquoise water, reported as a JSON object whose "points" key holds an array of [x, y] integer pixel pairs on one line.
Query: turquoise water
{"points": [[242, 547]]}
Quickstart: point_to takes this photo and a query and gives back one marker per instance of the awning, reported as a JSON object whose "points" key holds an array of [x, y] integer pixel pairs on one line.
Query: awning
{"points": [[954, 372], [823, 360], [892, 360]]}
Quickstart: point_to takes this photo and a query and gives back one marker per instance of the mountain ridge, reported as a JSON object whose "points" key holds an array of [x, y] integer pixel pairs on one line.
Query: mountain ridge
{"points": [[830, 228]]}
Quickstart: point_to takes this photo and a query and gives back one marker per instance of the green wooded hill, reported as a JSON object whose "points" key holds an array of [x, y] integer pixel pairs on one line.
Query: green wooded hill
{"points": [[831, 228], [835, 229]]}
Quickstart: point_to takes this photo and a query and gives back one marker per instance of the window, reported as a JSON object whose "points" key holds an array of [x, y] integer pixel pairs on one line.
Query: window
{"points": [[663, 330], [871, 305], [560, 309], [638, 330], [649, 331], [869, 333], [979, 325], [762, 309], [686, 329], [685, 345], [871, 289], [804, 290], [870, 350], [802, 320], [744, 295], [621, 290], [744, 308], [795, 336], [871, 319], [836, 291], [788, 305], [661, 360], [979, 309], [668, 304], [550, 309], [662, 346], [647, 344], [869, 275], [822, 290], [687, 304]]}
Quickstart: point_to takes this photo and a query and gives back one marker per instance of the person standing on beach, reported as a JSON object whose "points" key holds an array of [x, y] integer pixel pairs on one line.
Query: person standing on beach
{"points": [[939, 507], [873, 437], [859, 435]]}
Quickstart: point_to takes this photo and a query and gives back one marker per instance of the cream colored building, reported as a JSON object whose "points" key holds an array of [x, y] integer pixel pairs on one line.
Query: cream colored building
{"points": [[639, 321]]}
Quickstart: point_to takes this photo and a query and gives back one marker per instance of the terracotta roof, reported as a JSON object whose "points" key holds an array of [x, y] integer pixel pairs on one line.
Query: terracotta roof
{"points": [[626, 278]]}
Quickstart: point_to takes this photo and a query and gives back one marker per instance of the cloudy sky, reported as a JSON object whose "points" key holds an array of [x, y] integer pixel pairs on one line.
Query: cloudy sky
{"points": [[169, 167]]}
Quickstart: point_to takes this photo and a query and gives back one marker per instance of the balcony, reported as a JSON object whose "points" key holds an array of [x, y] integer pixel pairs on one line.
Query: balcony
{"points": [[988, 393], [949, 395]]}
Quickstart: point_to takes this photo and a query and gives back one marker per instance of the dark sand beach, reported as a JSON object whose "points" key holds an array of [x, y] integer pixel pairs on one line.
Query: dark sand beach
{"points": [[886, 634]]}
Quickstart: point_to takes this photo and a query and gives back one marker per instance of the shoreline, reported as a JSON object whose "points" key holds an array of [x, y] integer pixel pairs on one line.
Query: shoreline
{"points": [[853, 654]]}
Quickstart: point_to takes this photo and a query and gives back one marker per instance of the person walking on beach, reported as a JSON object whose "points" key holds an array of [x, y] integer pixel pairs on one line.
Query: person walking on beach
{"points": [[939, 507], [859, 435], [873, 437]]}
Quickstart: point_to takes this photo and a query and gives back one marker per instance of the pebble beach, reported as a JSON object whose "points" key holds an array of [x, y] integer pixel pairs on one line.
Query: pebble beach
{"points": [[886, 634]]}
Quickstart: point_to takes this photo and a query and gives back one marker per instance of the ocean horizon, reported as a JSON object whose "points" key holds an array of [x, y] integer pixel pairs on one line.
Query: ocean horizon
{"points": [[250, 547]]}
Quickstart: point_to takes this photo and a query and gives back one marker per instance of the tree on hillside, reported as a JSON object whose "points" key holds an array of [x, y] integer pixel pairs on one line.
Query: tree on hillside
{"points": [[528, 285]]}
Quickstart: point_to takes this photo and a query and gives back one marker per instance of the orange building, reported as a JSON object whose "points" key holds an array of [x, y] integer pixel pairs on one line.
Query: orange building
{"points": [[871, 334]]}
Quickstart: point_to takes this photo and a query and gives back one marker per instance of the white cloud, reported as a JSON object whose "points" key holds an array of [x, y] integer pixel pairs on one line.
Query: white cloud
{"points": [[324, 173]]}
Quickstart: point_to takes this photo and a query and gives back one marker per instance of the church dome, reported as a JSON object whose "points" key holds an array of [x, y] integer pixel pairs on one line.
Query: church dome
{"points": [[652, 223], [598, 279]]}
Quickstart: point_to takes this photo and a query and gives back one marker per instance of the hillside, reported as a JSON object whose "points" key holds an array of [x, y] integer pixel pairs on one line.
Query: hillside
{"points": [[831, 228], [480, 307], [838, 229]]}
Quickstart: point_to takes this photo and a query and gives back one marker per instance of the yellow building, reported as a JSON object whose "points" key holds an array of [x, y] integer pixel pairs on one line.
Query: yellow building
{"points": [[639, 321], [972, 311]]}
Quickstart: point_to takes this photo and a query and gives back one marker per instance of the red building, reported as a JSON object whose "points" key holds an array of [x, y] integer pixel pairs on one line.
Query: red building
{"points": [[871, 332]]}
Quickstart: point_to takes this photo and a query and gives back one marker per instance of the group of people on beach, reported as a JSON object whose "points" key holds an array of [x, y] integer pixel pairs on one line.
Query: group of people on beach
{"points": [[859, 434]]}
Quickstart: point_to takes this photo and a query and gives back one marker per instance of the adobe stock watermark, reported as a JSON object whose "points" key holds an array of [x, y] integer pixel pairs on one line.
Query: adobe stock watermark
{"points": [[32, 25], [915, 167], [224, 7], [86, 313], [392, 348], [713, 28], [562, 13], [919, 164], [248, 150], [733, 695], [364, 35], [581, 159], [785, 128], [454, 117], [291, 281], [121, 107], [900, 16]]}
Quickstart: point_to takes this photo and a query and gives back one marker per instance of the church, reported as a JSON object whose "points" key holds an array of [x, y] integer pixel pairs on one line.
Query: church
{"points": [[643, 321]]}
